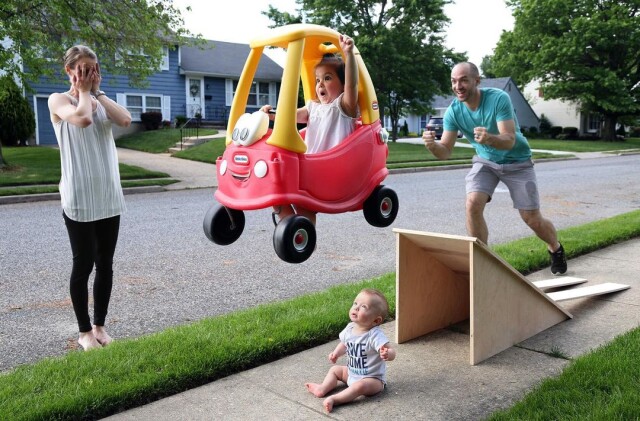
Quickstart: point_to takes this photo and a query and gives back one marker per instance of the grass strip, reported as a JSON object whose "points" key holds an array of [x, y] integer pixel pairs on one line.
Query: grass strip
{"points": [[133, 372], [601, 385], [526, 256], [51, 188]]}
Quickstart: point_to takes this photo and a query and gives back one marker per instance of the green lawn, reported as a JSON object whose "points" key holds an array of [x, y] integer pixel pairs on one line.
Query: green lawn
{"points": [[37, 170], [585, 145], [603, 384], [156, 141]]}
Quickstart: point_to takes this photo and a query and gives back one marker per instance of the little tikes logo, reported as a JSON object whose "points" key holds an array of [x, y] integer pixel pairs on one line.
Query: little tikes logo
{"points": [[241, 159], [374, 105]]}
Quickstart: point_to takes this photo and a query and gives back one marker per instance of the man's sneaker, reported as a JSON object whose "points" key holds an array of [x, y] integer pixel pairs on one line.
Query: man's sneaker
{"points": [[558, 261]]}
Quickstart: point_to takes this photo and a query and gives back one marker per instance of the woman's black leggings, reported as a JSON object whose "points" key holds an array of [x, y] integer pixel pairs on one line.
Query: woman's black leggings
{"points": [[92, 243]]}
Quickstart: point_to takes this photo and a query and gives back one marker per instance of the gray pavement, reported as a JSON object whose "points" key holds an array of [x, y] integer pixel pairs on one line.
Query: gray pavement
{"points": [[431, 378]]}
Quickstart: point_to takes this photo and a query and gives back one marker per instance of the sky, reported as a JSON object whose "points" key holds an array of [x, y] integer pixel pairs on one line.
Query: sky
{"points": [[475, 25]]}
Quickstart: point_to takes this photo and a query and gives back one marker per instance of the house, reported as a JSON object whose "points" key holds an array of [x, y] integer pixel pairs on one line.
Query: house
{"points": [[561, 113], [191, 80], [525, 115]]}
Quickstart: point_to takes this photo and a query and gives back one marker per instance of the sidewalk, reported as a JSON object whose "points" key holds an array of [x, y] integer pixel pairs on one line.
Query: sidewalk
{"points": [[192, 174], [431, 378]]}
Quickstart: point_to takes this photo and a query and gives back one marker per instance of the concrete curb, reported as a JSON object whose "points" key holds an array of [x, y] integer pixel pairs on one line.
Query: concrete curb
{"points": [[28, 198]]}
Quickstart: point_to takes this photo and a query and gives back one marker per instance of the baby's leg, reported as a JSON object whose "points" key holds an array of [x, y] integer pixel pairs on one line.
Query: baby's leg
{"points": [[335, 374], [366, 387]]}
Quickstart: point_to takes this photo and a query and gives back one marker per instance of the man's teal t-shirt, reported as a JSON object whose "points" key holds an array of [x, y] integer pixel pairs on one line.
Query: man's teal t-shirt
{"points": [[495, 105]]}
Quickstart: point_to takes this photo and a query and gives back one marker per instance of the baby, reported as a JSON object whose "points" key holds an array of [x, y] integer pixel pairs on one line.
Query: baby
{"points": [[367, 349]]}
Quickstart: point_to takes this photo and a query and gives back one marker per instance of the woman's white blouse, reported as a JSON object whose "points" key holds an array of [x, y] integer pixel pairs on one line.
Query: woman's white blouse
{"points": [[90, 185]]}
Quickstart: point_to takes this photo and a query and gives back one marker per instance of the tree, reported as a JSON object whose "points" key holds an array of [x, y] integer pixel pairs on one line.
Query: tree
{"points": [[37, 33], [17, 120], [582, 51], [402, 43], [487, 67]]}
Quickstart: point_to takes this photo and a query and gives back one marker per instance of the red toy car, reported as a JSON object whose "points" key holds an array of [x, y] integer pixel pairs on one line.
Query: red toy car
{"points": [[264, 167]]}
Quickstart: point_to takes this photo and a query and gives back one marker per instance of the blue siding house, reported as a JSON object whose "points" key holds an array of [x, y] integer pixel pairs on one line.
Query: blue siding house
{"points": [[191, 81]]}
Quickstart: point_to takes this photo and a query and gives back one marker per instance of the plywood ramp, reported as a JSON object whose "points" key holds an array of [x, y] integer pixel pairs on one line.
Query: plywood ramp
{"points": [[443, 279]]}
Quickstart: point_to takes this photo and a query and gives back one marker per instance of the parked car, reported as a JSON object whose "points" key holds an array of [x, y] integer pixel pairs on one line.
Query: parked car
{"points": [[263, 167], [435, 125]]}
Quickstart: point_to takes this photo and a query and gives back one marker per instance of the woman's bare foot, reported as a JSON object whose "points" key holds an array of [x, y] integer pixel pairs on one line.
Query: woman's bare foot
{"points": [[328, 404], [315, 389], [88, 341], [101, 335]]}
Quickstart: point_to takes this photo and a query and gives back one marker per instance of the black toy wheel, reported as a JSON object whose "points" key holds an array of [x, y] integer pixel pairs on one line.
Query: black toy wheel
{"points": [[294, 239], [381, 207], [223, 225]]}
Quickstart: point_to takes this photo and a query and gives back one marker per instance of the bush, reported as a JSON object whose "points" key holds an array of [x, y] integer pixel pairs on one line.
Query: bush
{"points": [[621, 131], [533, 130], [180, 120], [554, 131], [545, 124], [17, 119], [404, 130], [570, 132], [151, 120], [635, 132]]}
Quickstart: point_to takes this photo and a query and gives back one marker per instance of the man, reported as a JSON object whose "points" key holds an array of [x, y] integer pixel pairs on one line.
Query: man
{"points": [[486, 118]]}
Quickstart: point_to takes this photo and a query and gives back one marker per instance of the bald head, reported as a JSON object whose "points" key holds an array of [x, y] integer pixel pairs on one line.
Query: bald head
{"points": [[468, 68]]}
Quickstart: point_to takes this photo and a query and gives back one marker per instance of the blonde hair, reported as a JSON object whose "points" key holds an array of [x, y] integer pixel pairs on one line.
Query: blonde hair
{"points": [[77, 52], [380, 303]]}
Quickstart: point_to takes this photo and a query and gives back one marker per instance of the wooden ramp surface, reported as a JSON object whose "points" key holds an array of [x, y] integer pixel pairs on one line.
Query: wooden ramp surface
{"points": [[560, 282], [589, 291]]}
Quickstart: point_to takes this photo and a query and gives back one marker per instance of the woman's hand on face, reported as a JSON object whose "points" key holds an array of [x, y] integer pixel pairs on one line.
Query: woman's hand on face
{"points": [[82, 78], [96, 78]]}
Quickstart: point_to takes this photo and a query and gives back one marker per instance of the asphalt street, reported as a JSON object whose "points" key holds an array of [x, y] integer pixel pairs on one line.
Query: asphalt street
{"points": [[167, 273]]}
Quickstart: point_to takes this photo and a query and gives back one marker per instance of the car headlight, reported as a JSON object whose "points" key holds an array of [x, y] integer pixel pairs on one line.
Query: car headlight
{"points": [[223, 167], [260, 169]]}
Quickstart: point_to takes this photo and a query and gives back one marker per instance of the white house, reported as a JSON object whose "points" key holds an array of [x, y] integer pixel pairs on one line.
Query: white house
{"points": [[561, 113]]}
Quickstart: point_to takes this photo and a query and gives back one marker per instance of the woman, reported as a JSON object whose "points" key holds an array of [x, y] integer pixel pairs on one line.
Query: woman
{"points": [[90, 190]]}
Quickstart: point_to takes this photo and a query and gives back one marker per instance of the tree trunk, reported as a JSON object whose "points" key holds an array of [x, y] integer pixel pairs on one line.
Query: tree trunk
{"points": [[394, 128], [3, 163], [609, 128]]}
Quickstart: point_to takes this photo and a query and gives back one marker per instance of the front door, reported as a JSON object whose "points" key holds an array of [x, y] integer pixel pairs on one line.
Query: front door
{"points": [[194, 98]]}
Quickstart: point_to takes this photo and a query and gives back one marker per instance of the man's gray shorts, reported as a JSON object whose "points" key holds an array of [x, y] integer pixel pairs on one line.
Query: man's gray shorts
{"points": [[519, 177]]}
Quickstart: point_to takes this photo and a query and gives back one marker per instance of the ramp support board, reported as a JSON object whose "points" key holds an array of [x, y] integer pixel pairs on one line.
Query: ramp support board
{"points": [[444, 279]]}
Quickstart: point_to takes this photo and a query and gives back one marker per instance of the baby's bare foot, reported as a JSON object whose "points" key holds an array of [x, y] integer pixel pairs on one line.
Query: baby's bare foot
{"points": [[87, 341], [328, 404], [101, 335], [316, 389]]}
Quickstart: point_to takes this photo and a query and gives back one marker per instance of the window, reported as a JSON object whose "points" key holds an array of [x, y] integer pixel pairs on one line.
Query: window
{"points": [[593, 123], [261, 93], [138, 104], [164, 65], [164, 61]]}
